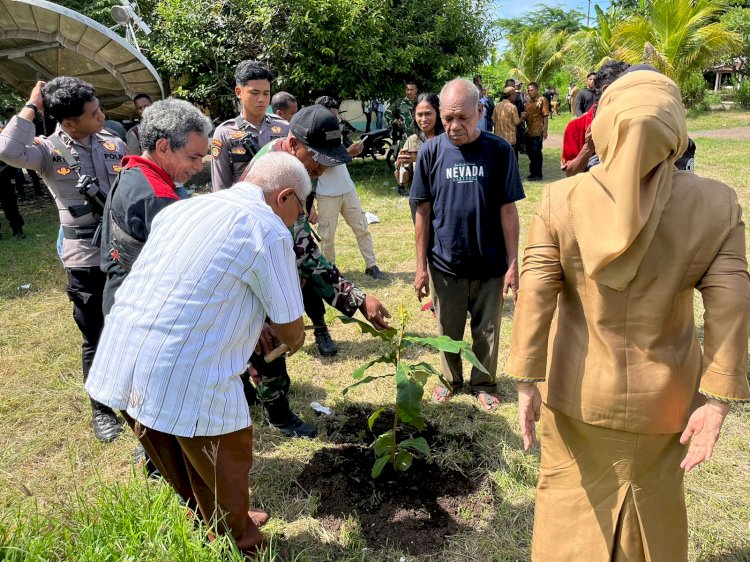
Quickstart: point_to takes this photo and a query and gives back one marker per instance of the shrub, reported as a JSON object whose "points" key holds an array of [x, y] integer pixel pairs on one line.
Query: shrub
{"points": [[742, 93], [693, 90]]}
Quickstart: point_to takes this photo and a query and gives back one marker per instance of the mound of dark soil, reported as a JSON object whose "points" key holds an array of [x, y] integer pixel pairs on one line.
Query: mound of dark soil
{"points": [[414, 511]]}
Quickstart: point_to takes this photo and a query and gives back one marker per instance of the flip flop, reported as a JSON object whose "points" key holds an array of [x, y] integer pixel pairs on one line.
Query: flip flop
{"points": [[441, 394], [488, 400]]}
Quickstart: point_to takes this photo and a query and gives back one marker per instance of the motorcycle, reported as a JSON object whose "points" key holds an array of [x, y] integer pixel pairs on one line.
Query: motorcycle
{"points": [[377, 144]]}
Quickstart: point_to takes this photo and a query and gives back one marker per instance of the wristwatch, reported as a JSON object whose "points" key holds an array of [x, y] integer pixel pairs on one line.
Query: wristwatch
{"points": [[32, 106]]}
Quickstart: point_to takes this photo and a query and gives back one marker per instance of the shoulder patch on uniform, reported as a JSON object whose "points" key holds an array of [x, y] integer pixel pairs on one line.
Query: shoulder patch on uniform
{"points": [[276, 129], [215, 152], [116, 169], [216, 142], [63, 171]]}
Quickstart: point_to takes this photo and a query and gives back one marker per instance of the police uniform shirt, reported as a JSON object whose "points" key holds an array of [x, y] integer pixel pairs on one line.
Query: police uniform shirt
{"points": [[236, 141], [100, 156]]}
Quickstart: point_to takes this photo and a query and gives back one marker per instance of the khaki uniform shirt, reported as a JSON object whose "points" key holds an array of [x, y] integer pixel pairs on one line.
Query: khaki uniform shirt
{"points": [[100, 158], [631, 360], [230, 155], [536, 111], [506, 119]]}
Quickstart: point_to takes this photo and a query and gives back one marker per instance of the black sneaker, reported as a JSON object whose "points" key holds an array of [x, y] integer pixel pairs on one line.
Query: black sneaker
{"points": [[402, 191], [105, 424], [325, 343], [292, 426], [375, 273], [19, 234]]}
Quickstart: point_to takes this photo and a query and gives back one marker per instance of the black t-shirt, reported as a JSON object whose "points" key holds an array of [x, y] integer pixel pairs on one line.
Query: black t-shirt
{"points": [[466, 186]]}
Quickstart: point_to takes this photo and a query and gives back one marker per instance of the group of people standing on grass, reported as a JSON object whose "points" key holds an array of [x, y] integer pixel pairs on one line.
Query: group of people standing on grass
{"points": [[202, 295]]}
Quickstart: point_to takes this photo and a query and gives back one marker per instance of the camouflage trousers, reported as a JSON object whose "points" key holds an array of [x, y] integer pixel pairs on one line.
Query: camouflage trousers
{"points": [[274, 379]]}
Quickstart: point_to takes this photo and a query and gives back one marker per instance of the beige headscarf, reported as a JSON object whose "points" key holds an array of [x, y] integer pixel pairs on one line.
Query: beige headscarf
{"points": [[639, 131]]}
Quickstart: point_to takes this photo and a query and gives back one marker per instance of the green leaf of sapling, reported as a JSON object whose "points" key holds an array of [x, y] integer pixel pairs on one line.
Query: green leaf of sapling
{"points": [[371, 420], [384, 444], [419, 444], [403, 460], [379, 465]]}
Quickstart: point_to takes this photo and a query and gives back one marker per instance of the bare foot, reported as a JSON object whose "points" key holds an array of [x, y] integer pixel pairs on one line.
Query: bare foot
{"points": [[440, 394], [259, 517], [488, 400]]}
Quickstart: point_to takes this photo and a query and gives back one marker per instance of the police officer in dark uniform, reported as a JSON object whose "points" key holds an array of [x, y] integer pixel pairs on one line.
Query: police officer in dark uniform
{"points": [[237, 140], [80, 154]]}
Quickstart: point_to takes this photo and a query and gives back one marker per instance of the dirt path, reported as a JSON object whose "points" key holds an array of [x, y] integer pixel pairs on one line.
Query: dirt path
{"points": [[733, 133]]}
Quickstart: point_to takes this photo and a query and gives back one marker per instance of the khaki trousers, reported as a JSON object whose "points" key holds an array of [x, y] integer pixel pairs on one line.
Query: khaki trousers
{"points": [[482, 299], [348, 206], [607, 495], [209, 473]]}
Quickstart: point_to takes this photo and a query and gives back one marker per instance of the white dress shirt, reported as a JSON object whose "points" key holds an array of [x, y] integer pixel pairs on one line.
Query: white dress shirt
{"points": [[189, 314]]}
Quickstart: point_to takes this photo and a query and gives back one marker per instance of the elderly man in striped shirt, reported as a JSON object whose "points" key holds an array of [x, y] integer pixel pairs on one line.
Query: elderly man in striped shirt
{"points": [[184, 322]]}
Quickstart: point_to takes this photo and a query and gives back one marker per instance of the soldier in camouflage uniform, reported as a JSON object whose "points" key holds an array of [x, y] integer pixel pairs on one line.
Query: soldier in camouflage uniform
{"points": [[315, 140], [401, 112]]}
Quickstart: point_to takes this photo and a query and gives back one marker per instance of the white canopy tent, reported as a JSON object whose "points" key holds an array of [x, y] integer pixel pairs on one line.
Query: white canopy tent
{"points": [[40, 40]]}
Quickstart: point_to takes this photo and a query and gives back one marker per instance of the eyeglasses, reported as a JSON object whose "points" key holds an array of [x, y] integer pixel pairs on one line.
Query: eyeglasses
{"points": [[303, 207]]}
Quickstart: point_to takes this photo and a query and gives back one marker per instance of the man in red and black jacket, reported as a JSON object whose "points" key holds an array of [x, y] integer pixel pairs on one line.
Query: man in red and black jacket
{"points": [[174, 137]]}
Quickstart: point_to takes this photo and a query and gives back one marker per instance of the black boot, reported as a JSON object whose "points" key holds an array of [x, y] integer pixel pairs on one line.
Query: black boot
{"points": [[280, 416], [104, 421], [402, 191], [326, 345]]}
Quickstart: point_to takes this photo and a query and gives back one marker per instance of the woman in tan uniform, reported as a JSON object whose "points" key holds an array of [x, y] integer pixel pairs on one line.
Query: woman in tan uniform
{"points": [[608, 279]]}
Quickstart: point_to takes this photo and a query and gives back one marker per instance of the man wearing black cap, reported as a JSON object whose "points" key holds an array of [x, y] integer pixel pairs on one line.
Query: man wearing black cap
{"points": [[315, 140]]}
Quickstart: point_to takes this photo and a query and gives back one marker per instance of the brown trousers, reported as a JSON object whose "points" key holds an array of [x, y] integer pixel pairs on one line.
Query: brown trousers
{"points": [[210, 473], [607, 495], [483, 301]]}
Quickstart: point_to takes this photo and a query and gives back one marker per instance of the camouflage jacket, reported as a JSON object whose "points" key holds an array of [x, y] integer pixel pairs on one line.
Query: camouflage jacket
{"points": [[313, 267], [402, 109]]}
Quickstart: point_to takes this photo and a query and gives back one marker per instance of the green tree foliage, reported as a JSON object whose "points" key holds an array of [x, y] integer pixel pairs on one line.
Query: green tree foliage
{"points": [[676, 36], [738, 20], [590, 48], [534, 56], [541, 18], [95, 9], [346, 48]]}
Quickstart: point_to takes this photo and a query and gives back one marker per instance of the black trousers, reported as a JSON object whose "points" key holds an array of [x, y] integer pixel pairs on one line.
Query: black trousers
{"points": [[534, 152], [85, 288], [315, 307], [8, 201]]}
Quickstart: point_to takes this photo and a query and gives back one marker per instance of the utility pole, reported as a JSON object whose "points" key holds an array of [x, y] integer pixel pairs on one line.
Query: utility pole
{"points": [[588, 15]]}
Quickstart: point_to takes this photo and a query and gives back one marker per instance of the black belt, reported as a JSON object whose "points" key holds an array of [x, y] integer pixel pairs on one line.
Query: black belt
{"points": [[80, 232]]}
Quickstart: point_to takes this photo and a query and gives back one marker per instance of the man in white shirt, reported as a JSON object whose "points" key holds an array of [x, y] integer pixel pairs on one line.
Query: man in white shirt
{"points": [[184, 323], [336, 194]]}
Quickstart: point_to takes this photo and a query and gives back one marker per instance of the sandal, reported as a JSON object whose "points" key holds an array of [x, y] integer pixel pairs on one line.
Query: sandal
{"points": [[441, 394], [488, 400]]}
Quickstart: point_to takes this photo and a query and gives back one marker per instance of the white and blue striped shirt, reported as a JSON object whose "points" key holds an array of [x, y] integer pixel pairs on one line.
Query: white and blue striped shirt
{"points": [[189, 314]]}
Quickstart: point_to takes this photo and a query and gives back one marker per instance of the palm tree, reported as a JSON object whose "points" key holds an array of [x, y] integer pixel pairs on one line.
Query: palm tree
{"points": [[590, 48], [534, 56], [678, 37]]}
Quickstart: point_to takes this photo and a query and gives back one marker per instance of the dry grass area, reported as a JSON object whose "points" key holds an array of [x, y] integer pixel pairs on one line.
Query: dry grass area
{"points": [[63, 496]]}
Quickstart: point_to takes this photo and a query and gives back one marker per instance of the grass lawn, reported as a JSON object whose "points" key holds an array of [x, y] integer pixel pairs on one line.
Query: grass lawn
{"points": [[703, 121], [64, 496]]}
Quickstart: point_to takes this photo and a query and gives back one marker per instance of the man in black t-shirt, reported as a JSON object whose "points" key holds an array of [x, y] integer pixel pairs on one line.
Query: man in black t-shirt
{"points": [[466, 182]]}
